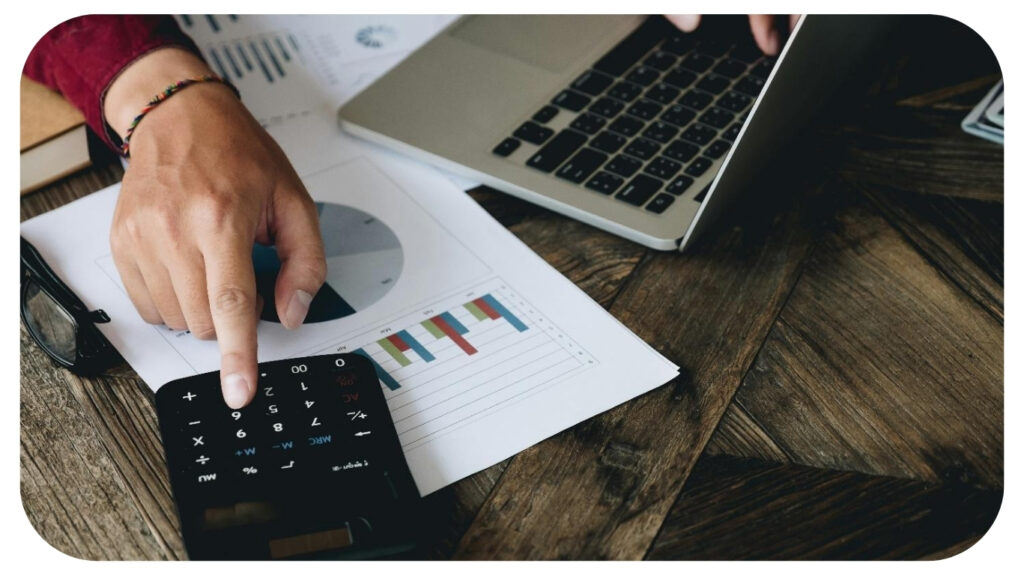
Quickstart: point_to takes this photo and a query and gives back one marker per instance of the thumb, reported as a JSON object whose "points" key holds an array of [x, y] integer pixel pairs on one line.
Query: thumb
{"points": [[301, 250]]}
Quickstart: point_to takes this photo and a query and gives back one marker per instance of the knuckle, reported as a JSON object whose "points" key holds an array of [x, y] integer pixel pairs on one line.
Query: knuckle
{"points": [[203, 330], [233, 300]]}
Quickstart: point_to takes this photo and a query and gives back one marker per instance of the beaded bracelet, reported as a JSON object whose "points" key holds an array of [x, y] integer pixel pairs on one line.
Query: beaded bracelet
{"points": [[162, 96]]}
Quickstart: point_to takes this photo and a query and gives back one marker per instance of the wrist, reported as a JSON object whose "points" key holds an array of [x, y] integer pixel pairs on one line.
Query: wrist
{"points": [[144, 78]]}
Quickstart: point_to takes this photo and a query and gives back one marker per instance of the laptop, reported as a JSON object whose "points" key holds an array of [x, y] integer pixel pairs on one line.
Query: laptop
{"points": [[622, 122]]}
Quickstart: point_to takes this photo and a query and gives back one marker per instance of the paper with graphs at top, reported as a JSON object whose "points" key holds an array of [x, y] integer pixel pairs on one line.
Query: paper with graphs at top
{"points": [[481, 347]]}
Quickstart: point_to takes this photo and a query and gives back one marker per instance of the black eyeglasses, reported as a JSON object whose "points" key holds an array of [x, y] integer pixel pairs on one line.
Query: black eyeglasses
{"points": [[58, 321]]}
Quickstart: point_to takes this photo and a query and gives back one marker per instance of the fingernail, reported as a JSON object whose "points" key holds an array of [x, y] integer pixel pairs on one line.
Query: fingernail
{"points": [[298, 307], [236, 391]]}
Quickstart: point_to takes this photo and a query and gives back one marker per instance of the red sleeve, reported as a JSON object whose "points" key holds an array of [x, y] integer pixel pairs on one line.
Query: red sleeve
{"points": [[81, 57]]}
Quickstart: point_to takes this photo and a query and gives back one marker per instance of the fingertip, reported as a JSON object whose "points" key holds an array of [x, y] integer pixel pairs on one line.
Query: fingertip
{"points": [[237, 390], [685, 22]]}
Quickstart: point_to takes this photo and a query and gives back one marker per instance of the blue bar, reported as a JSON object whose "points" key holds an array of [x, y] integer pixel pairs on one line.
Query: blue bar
{"points": [[509, 317], [416, 346], [384, 376], [461, 329]]}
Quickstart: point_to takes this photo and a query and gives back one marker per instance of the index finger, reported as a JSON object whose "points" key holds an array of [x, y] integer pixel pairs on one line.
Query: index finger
{"points": [[231, 286]]}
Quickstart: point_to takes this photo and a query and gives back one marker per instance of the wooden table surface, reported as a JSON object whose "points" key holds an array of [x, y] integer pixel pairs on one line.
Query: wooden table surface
{"points": [[841, 341]]}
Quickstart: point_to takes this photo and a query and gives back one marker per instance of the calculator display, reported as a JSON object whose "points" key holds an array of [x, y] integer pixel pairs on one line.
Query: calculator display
{"points": [[311, 468]]}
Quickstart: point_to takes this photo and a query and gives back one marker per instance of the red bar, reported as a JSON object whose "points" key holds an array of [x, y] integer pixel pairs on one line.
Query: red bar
{"points": [[398, 342], [486, 308], [453, 335]]}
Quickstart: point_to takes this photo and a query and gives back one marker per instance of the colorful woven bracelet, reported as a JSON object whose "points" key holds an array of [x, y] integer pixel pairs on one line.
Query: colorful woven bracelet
{"points": [[162, 96]]}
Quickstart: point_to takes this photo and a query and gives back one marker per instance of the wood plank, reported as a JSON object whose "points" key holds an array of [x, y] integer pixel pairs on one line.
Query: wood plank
{"points": [[71, 490], [881, 365], [620, 472], [739, 435], [735, 508], [963, 239]]}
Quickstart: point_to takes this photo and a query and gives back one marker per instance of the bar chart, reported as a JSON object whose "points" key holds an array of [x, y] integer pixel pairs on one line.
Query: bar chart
{"points": [[476, 353]]}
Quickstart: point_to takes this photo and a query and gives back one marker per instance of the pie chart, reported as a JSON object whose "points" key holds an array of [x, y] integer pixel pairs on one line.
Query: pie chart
{"points": [[364, 261]]}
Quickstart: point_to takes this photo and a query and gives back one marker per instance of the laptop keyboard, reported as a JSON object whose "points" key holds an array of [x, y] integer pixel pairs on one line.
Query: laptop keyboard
{"points": [[649, 119]]}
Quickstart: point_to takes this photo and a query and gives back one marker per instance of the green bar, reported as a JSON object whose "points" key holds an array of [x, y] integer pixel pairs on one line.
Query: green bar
{"points": [[433, 329], [394, 352], [476, 311]]}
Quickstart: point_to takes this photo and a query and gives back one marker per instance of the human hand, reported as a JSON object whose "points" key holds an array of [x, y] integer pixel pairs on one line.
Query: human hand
{"points": [[764, 27], [205, 182]]}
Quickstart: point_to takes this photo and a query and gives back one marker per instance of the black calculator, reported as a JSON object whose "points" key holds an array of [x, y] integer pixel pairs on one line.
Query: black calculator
{"points": [[312, 468]]}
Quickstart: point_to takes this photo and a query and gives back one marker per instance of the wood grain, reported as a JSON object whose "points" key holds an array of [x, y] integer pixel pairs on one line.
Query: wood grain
{"points": [[751, 509], [878, 364], [621, 471]]}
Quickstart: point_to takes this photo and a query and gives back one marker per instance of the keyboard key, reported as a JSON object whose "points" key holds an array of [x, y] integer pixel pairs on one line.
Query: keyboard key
{"points": [[751, 85], [638, 191], [663, 168], [703, 194], [713, 47], [696, 100], [645, 109], [571, 100], [592, 82], [632, 48], [699, 134], [506, 147], [533, 133], [660, 61], [590, 123], [626, 125], [661, 132], [698, 167], [695, 62], [717, 118], [556, 151], [605, 183], [623, 165], [679, 115], [660, 203], [643, 75], [681, 151], [730, 68], [662, 94], [746, 52], [679, 78], [544, 115], [679, 185], [714, 84], [625, 91], [763, 68], [717, 149], [734, 101], [733, 132], [608, 142], [607, 107], [643, 149], [678, 44], [579, 168]]}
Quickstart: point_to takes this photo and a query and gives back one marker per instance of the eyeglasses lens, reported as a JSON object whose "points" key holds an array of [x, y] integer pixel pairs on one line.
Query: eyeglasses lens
{"points": [[50, 323]]}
